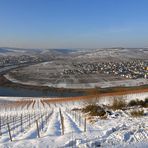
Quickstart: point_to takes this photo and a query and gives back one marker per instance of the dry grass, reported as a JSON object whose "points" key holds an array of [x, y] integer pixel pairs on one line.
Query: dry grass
{"points": [[137, 113], [16, 104], [94, 110], [118, 104]]}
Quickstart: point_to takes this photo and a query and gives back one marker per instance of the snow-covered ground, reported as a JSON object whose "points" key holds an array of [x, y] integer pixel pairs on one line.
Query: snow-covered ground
{"points": [[119, 129], [103, 84]]}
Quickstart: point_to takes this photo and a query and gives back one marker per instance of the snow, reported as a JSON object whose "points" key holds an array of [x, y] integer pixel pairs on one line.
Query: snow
{"points": [[119, 129], [70, 125], [54, 126], [102, 84], [128, 97]]}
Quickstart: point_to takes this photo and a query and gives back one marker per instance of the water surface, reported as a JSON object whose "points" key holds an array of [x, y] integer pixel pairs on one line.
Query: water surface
{"points": [[24, 92]]}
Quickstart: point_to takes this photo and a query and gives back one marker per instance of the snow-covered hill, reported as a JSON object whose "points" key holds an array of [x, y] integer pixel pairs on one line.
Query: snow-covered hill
{"points": [[104, 53], [117, 129]]}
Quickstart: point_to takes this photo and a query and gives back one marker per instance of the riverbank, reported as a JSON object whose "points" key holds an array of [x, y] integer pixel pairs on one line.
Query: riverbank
{"points": [[8, 88], [85, 93]]}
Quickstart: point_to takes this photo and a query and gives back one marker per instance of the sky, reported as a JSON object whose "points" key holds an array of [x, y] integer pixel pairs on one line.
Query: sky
{"points": [[73, 23]]}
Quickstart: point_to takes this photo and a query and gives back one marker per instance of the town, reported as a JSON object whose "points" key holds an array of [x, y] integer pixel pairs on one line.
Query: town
{"points": [[18, 60], [131, 69]]}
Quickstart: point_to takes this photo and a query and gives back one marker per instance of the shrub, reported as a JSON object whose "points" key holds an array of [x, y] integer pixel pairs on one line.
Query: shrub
{"points": [[118, 104], [146, 102], [94, 110], [139, 103], [132, 103], [76, 109], [137, 113]]}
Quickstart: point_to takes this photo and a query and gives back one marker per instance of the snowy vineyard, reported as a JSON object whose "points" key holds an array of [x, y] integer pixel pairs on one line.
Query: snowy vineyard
{"points": [[57, 124], [28, 119]]}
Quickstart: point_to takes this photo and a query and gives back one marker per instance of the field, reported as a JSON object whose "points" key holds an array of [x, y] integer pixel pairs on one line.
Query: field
{"points": [[78, 68], [49, 73], [44, 122]]}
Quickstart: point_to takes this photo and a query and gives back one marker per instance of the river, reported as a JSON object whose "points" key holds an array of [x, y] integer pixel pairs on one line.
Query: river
{"points": [[27, 92]]}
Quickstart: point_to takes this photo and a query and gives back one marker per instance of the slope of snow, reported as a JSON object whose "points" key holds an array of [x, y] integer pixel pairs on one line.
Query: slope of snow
{"points": [[119, 129]]}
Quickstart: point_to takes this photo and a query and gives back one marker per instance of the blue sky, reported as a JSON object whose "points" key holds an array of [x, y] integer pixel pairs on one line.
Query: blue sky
{"points": [[73, 23]]}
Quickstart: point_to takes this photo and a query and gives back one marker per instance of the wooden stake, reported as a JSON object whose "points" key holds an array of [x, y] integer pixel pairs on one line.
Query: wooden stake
{"points": [[62, 121], [79, 120], [29, 121], [0, 127], [85, 125], [9, 131], [38, 131], [21, 123]]}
